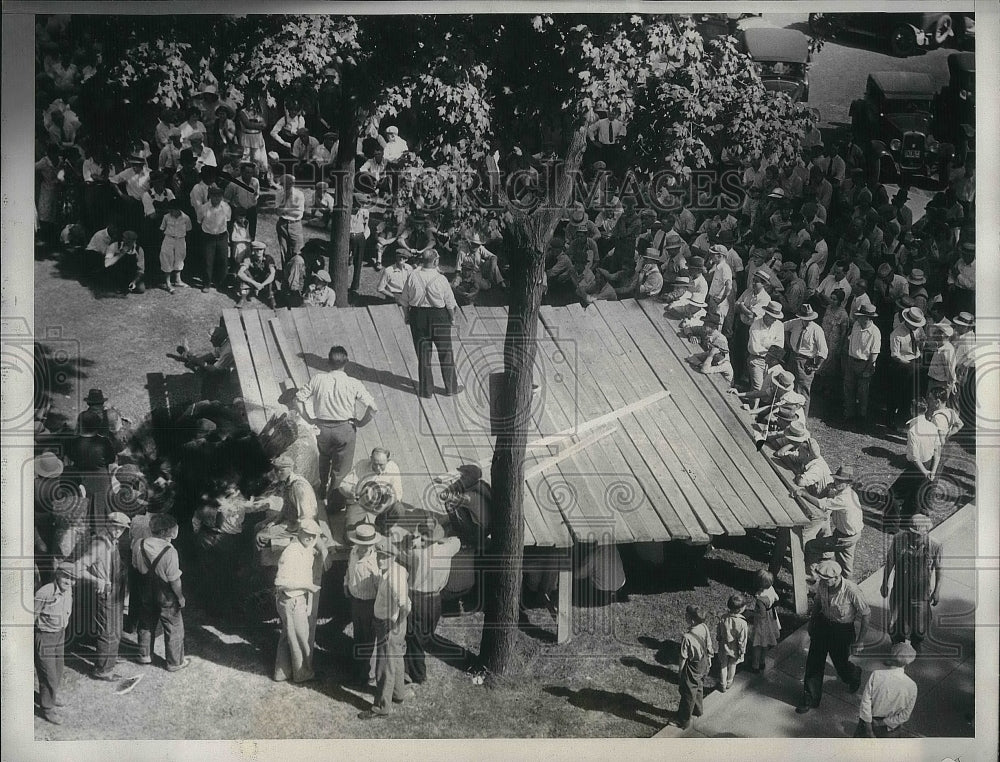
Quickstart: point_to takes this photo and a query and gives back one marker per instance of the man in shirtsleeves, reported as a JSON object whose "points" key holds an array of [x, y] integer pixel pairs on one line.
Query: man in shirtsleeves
{"points": [[429, 308]]}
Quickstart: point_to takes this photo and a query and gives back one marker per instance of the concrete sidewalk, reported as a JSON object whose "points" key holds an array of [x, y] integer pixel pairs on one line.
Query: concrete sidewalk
{"points": [[763, 706]]}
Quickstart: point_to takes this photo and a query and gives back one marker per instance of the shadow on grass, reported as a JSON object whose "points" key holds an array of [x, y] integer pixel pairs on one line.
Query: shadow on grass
{"points": [[667, 652], [665, 674], [619, 704]]}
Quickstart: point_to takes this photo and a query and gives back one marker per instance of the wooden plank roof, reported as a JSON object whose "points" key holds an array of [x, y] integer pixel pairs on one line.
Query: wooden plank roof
{"points": [[625, 442]]}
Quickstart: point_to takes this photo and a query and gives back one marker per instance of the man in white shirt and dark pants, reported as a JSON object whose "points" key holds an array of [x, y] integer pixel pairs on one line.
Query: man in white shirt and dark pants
{"points": [[334, 397], [807, 349], [863, 347], [291, 210], [429, 308], [889, 697], [214, 217]]}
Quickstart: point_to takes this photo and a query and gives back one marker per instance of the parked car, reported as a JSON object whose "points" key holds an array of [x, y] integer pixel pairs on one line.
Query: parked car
{"points": [[782, 57], [955, 106], [893, 124], [903, 33]]}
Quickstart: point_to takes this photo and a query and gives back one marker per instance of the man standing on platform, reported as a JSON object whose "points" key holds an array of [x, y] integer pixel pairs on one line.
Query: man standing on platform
{"points": [[429, 308], [839, 604], [335, 396]]}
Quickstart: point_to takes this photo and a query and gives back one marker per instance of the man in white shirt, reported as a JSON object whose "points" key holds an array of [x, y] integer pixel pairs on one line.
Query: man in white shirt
{"points": [[889, 697], [360, 233], [377, 471], [304, 147], [291, 208], [390, 285], [429, 308], [214, 217], [296, 587], [361, 585], [962, 279], [720, 290], [170, 154], [326, 152], [97, 248], [765, 332], [203, 155], [863, 347], [837, 278], [376, 168], [841, 506], [392, 608], [808, 349], [905, 350], [334, 396], [393, 146]]}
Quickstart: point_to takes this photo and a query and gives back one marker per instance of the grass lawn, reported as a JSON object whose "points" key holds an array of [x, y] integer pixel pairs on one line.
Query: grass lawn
{"points": [[615, 679]]}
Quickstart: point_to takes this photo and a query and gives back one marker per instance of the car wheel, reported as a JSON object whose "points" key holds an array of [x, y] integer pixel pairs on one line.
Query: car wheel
{"points": [[942, 29], [903, 41]]}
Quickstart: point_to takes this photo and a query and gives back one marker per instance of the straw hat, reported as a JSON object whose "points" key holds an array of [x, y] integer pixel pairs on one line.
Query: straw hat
{"points": [[310, 527], [784, 379], [917, 277], [806, 312], [797, 432], [914, 317], [48, 466], [119, 519], [964, 319], [844, 474], [920, 523], [322, 276], [773, 309], [364, 534]]}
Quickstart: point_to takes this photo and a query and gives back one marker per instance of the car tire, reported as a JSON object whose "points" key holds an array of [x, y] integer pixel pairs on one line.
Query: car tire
{"points": [[902, 41], [943, 29]]}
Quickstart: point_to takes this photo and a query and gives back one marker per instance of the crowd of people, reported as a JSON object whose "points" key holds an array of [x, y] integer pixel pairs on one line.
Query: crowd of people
{"points": [[817, 286]]}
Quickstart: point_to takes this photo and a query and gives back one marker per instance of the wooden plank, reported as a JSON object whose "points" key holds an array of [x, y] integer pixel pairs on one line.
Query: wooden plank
{"points": [[600, 385], [564, 608], [245, 369], [278, 368], [722, 500], [560, 437], [704, 416], [764, 480], [294, 364], [691, 471], [604, 457], [706, 434], [269, 389]]}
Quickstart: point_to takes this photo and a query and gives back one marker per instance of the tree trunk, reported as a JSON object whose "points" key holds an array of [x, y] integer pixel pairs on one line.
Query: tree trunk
{"points": [[343, 185], [526, 239]]}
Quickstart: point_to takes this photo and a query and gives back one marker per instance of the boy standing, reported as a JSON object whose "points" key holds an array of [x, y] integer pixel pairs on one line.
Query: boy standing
{"points": [[696, 656], [733, 635], [163, 599], [175, 227]]}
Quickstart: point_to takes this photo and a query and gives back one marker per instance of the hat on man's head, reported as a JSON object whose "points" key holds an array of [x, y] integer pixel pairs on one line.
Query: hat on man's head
{"points": [[283, 461], [48, 465], [119, 519], [917, 277], [682, 279], [258, 245], [905, 301], [718, 249], [775, 354], [652, 253], [806, 312], [762, 274], [712, 319], [196, 135], [944, 329], [696, 263], [784, 379], [364, 534], [789, 267], [914, 317], [884, 269], [829, 570], [773, 309], [174, 132], [405, 253], [95, 397], [310, 527], [797, 432], [793, 399], [777, 193], [866, 310], [302, 131], [66, 569], [393, 130], [673, 240], [844, 474], [901, 655], [964, 319], [322, 275]]}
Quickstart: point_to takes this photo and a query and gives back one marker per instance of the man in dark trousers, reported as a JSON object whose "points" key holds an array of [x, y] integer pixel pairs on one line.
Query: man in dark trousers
{"points": [[429, 308], [53, 606], [101, 566], [333, 398], [838, 606], [428, 561]]}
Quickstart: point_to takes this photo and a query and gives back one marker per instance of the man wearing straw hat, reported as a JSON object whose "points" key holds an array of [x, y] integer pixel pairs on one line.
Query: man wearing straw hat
{"points": [[863, 347], [361, 586], [839, 606], [392, 607], [390, 285], [807, 349], [842, 507], [765, 332], [902, 379], [889, 696]]}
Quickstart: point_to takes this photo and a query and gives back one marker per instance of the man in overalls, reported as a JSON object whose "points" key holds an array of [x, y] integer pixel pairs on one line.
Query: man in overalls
{"points": [[696, 658]]}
